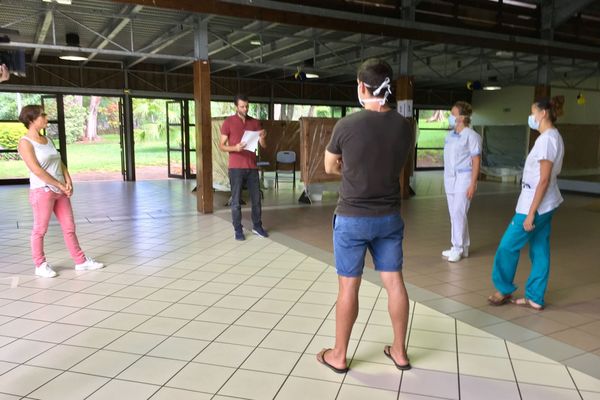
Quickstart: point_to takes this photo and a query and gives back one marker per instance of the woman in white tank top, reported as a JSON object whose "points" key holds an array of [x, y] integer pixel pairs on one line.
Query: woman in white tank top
{"points": [[50, 191]]}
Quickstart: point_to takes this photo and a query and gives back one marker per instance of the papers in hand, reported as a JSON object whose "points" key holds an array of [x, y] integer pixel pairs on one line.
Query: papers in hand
{"points": [[251, 140]]}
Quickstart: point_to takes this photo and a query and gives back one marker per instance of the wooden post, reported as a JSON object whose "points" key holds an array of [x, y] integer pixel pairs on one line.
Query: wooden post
{"points": [[539, 92], [204, 180], [404, 96]]}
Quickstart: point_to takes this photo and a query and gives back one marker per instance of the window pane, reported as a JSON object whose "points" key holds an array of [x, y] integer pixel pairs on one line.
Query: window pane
{"points": [[432, 129]]}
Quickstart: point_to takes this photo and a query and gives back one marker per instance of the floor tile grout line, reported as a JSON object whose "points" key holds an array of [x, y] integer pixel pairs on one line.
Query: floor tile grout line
{"points": [[512, 366], [408, 334], [457, 357], [573, 380]]}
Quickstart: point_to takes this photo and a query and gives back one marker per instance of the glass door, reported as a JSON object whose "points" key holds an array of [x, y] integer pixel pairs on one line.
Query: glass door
{"points": [[175, 139]]}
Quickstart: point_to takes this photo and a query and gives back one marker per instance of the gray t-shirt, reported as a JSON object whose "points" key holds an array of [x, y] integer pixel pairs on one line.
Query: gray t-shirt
{"points": [[374, 147]]}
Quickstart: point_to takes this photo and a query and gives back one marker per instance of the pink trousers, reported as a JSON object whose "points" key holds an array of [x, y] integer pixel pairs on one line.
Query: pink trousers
{"points": [[44, 203]]}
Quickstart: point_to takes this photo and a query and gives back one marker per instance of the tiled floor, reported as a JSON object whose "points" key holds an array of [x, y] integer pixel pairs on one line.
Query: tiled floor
{"points": [[182, 311]]}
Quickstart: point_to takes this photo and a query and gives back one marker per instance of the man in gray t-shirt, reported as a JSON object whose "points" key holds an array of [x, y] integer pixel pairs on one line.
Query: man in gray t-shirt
{"points": [[368, 149]]}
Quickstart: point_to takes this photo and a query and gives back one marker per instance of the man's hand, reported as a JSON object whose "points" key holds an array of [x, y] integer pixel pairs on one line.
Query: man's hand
{"points": [[4, 74], [240, 146]]}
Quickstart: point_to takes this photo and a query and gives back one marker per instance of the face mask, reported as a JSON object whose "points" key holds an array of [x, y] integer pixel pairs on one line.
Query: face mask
{"points": [[451, 121], [533, 124], [385, 85]]}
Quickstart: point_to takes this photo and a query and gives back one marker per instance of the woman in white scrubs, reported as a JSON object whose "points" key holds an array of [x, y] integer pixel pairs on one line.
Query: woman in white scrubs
{"points": [[539, 199], [462, 159]]}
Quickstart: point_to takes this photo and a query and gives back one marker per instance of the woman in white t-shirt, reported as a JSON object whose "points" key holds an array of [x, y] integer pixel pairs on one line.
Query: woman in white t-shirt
{"points": [[50, 192], [539, 199], [462, 159]]}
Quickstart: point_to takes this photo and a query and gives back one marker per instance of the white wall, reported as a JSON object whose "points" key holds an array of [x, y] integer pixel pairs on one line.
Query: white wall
{"points": [[511, 105]]}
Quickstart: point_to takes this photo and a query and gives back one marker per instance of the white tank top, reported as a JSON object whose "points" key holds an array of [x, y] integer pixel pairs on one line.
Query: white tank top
{"points": [[49, 159]]}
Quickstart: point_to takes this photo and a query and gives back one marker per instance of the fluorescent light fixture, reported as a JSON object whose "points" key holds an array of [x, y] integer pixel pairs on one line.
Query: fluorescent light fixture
{"points": [[72, 57], [490, 87], [64, 2], [311, 76], [256, 42]]}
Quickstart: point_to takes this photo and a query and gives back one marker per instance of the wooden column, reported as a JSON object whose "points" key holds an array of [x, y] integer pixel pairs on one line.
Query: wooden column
{"points": [[539, 92], [204, 180], [404, 96]]}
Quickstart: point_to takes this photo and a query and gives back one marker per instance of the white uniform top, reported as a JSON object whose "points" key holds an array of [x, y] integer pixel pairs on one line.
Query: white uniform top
{"points": [[548, 146], [49, 159], [459, 150]]}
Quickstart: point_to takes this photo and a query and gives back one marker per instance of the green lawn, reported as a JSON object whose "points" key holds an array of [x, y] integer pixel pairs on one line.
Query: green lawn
{"points": [[104, 155]]}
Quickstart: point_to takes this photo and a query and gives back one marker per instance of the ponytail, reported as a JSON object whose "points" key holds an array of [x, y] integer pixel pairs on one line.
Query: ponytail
{"points": [[554, 106]]}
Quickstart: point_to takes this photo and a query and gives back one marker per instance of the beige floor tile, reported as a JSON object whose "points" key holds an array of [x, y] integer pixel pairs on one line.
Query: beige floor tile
{"points": [[21, 327], [374, 375], [161, 326], [273, 306], [310, 310], [309, 367], [86, 317], [95, 337], [105, 363], [584, 381], [485, 366], [116, 389], [482, 346], [253, 385], [201, 377], [429, 383], [55, 332], [436, 360], [542, 374], [224, 354], [152, 370], [520, 353], [123, 321], [476, 388], [432, 340], [24, 379], [289, 341], [434, 324], [112, 304], [147, 307], [136, 342], [529, 391], [201, 330], [167, 393], [220, 315], [293, 323], [183, 311], [273, 361], [21, 350], [61, 357], [243, 335], [80, 386], [179, 348], [296, 388]]}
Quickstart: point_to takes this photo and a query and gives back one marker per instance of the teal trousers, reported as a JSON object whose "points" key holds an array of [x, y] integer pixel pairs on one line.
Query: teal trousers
{"points": [[509, 250]]}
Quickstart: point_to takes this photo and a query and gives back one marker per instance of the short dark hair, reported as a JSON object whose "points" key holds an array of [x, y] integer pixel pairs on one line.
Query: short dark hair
{"points": [[373, 72], [30, 113], [240, 96]]}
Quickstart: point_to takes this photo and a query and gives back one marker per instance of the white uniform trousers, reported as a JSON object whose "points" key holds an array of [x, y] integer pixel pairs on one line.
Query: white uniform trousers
{"points": [[458, 206]]}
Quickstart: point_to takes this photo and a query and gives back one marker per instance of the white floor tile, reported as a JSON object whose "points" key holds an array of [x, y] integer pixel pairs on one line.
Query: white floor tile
{"points": [[21, 350], [136, 342], [61, 357], [152, 370], [296, 388], [79, 386], [106, 363], [223, 354], [116, 389], [253, 385], [24, 379], [274, 361], [201, 377], [167, 393], [179, 348]]}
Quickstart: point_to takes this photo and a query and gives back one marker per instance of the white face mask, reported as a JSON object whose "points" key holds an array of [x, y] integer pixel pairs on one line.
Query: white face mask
{"points": [[385, 85], [533, 123]]}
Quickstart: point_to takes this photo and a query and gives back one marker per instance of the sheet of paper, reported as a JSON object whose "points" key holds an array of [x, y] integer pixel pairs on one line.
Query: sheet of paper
{"points": [[251, 140]]}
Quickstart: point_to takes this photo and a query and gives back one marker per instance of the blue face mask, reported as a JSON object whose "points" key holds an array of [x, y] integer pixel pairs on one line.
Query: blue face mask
{"points": [[533, 124], [451, 121]]}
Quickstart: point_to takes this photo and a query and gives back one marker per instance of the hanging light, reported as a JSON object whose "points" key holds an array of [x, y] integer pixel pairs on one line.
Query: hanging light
{"points": [[72, 41]]}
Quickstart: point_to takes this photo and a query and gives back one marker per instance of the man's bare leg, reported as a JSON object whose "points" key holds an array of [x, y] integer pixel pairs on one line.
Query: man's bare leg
{"points": [[398, 309], [346, 311]]}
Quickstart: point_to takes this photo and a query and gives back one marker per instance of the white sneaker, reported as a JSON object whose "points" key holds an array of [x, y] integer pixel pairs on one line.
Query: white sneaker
{"points": [[45, 270], [465, 252], [88, 265], [454, 256]]}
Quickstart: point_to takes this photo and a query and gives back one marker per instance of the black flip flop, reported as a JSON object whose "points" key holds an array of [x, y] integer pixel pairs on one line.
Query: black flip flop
{"points": [[331, 367], [388, 354]]}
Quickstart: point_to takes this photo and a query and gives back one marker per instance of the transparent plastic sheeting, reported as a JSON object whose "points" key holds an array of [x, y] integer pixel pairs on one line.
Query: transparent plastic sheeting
{"points": [[504, 149]]}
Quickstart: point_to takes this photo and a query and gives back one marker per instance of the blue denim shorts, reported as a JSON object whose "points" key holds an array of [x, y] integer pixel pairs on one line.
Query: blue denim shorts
{"points": [[381, 235]]}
